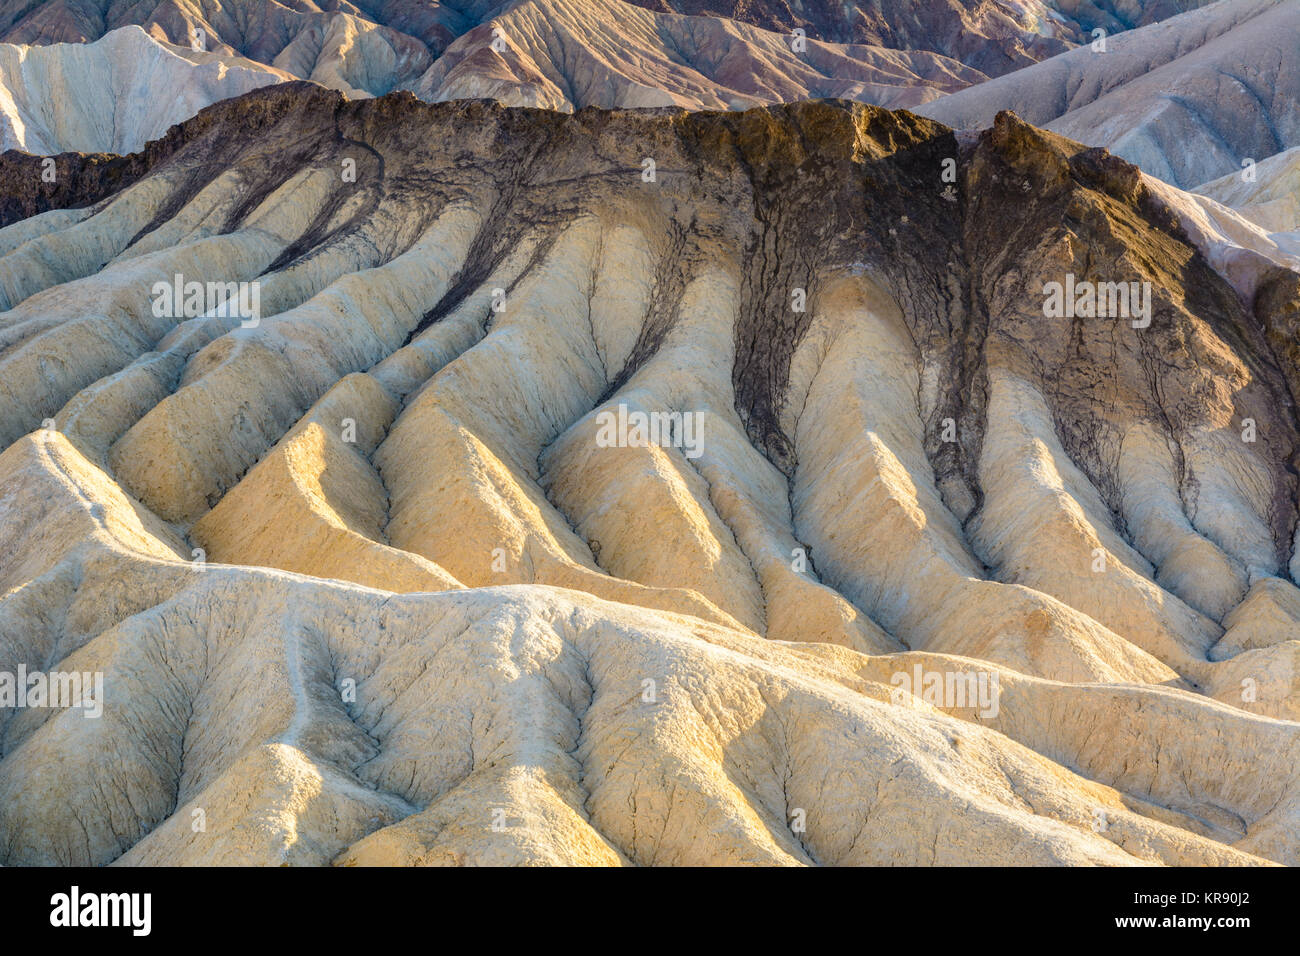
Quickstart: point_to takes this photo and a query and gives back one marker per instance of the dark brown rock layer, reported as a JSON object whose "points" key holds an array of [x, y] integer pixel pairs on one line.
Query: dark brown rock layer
{"points": [[792, 195]]}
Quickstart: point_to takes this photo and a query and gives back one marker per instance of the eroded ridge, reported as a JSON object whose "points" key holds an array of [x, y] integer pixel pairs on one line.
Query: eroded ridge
{"points": [[651, 487]]}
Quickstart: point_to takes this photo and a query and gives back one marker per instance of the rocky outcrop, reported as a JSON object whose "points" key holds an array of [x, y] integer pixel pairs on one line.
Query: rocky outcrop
{"points": [[597, 487]]}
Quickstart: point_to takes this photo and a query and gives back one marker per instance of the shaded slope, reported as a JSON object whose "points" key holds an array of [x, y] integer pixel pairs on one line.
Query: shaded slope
{"points": [[995, 38]]}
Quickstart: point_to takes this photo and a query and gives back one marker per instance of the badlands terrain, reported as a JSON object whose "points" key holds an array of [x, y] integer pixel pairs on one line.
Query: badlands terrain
{"points": [[1179, 95], [582, 432], [372, 579], [994, 36]]}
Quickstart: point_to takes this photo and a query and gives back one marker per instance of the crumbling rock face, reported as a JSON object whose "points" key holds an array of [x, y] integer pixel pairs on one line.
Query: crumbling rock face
{"points": [[385, 570]]}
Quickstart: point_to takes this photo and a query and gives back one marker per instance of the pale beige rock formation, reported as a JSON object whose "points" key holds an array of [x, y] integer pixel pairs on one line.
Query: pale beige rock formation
{"points": [[1267, 194], [1187, 99], [380, 579], [113, 95]]}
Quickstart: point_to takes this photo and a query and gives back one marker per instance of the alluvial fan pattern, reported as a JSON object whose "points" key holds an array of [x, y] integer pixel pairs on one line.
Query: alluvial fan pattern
{"points": [[368, 582]]}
